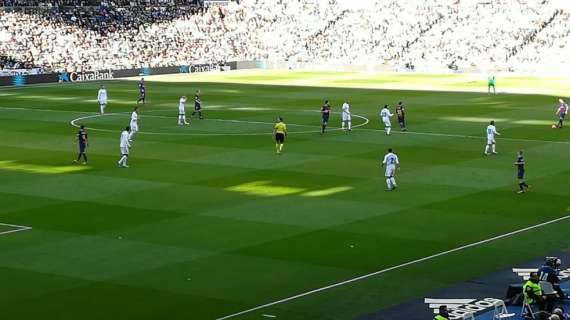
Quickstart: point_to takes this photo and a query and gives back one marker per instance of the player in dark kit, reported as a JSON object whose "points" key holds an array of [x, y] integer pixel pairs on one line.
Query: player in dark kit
{"points": [[142, 92], [520, 173], [197, 105], [82, 142], [401, 113], [326, 113]]}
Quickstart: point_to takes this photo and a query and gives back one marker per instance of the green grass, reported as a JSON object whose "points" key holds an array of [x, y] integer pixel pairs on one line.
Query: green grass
{"points": [[208, 221]]}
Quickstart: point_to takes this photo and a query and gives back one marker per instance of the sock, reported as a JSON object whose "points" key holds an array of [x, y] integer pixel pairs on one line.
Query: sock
{"points": [[277, 147], [493, 147], [559, 123], [200, 114], [525, 185], [388, 183], [281, 147], [487, 149], [521, 184], [184, 120], [85, 157], [393, 181], [388, 130], [123, 158], [349, 125], [323, 130], [79, 156], [102, 108]]}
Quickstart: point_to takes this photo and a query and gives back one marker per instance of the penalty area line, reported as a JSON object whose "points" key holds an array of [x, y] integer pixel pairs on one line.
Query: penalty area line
{"points": [[400, 266]]}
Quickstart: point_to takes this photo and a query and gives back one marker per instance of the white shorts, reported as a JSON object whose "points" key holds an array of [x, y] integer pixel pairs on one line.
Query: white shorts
{"points": [[102, 102], [124, 150], [181, 112], [346, 117], [490, 140], [134, 127], [390, 171], [387, 122]]}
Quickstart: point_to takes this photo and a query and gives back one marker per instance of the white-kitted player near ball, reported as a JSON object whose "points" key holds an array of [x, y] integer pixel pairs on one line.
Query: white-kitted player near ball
{"points": [[182, 111], [391, 162], [102, 98], [385, 115], [134, 123], [346, 117], [124, 145], [491, 132]]}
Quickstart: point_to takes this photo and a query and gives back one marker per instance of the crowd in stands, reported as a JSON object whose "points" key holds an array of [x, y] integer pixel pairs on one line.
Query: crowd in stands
{"points": [[87, 35]]}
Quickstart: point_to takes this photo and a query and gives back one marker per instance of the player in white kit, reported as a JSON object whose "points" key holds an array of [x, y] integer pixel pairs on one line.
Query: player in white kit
{"points": [[102, 98], [124, 145], [182, 112], [385, 115], [134, 123], [346, 117], [392, 163], [491, 132]]}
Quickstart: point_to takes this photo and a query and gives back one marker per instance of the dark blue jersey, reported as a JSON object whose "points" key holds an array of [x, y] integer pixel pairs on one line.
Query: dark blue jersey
{"points": [[547, 273], [82, 136], [520, 163], [141, 88], [197, 102]]}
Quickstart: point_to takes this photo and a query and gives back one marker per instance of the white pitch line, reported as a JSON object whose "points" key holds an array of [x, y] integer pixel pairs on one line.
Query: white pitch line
{"points": [[17, 228], [400, 266]]}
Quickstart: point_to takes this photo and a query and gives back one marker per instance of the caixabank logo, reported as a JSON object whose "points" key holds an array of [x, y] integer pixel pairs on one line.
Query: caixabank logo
{"points": [[459, 308], [19, 80], [86, 76]]}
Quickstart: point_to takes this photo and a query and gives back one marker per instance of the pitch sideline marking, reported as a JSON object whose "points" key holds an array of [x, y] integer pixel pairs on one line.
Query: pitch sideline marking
{"points": [[17, 228], [400, 266]]}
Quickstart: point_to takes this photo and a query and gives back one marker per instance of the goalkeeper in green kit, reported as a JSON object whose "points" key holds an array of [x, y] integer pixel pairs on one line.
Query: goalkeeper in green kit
{"points": [[491, 83]]}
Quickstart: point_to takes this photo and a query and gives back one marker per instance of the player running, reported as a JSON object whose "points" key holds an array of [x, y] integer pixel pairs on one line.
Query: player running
{"points": [[197, 105], [326, 113], [491, 132], [124, 145], [520, 173], [346, 117], [561, 113], [392, 163], [280, 132], [142, 92], [182, 112], [134, 123], [102, 98], [385, 115], [491, 81], [401, 113], [82, 142]]}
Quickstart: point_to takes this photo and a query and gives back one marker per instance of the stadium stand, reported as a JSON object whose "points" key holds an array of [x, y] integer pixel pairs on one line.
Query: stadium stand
{"points": [[425, 35]]}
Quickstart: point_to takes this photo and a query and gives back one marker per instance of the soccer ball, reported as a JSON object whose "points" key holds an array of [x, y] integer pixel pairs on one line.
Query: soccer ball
{"points": [[554, 126]]}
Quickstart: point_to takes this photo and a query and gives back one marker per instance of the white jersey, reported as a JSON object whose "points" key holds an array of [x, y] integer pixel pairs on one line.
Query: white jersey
{"points": [[385, 114], [346, 112], [182, 106], [102, 96], [134, 117], [390, 161], [125, 139], [491, 132]]}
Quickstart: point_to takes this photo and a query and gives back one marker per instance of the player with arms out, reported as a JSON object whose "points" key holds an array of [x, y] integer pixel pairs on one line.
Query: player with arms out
{"points": [[142, 92], [520, 173], [491, 81], [385, 115], [561, 113], [491, 132], [401, 113], [134, 123], [182, 111], [346, 117], [124, 145], [392, 163], [197, 105], [280, 132], [326, 113], [82, 142], [102, 98]]}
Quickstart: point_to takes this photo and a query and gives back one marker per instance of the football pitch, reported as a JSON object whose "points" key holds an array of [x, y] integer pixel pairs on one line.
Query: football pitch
{"points": [[209, 223]]}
